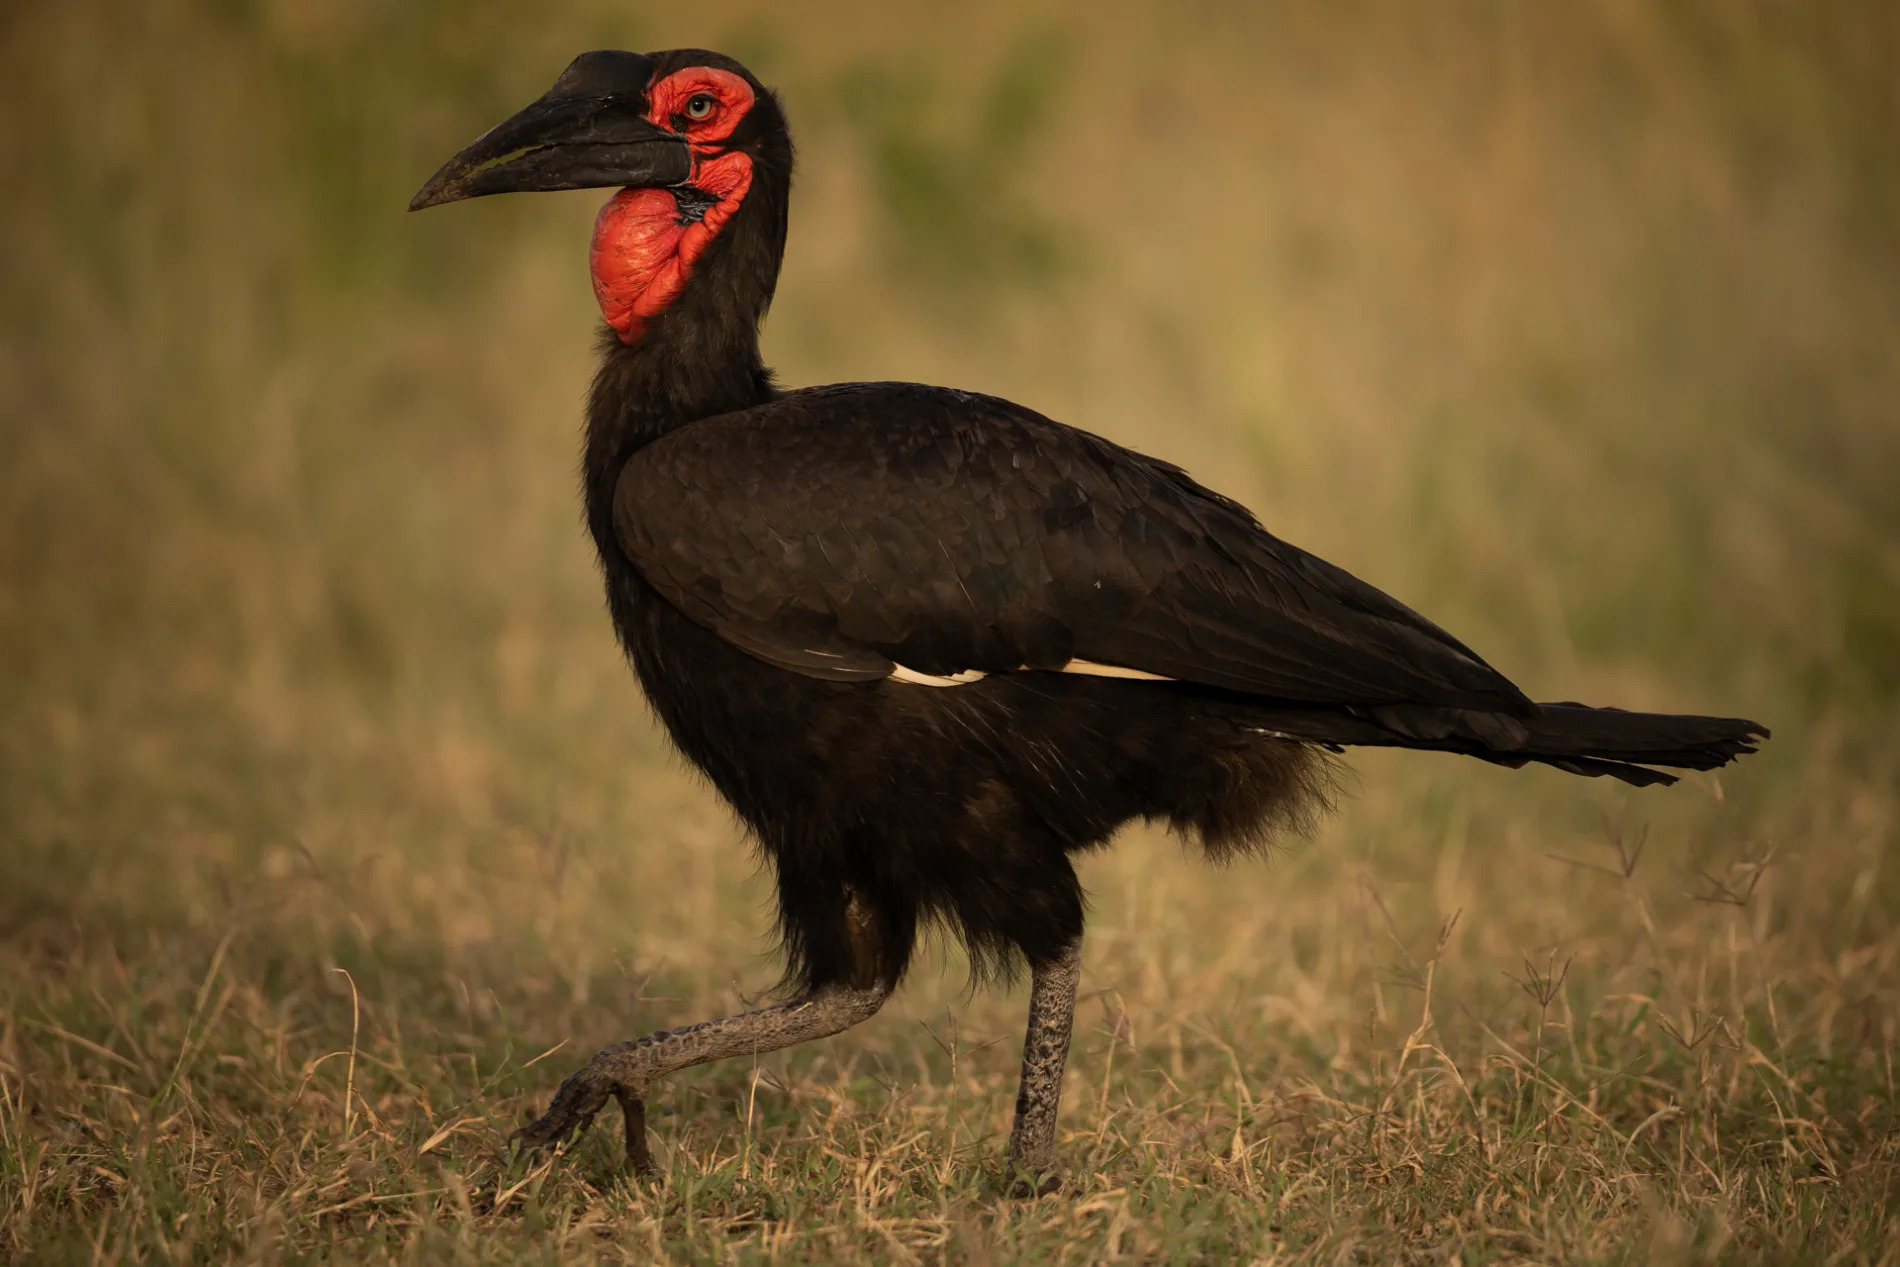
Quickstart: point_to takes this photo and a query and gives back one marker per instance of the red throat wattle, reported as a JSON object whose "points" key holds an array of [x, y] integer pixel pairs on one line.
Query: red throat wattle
{"points": [[644, 249]]}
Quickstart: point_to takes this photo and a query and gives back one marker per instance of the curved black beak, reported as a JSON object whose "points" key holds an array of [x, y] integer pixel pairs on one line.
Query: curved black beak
{"points": [[575, 137]]}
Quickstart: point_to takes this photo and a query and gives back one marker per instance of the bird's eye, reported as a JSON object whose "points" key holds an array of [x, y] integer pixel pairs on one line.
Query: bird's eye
{"points": [[701, 105]]}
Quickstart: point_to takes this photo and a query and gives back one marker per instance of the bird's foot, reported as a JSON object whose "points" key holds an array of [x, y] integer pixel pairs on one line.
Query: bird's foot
{"points": [[1023, 1181], [633, 1112], [626, 1071], [573, 1110]]}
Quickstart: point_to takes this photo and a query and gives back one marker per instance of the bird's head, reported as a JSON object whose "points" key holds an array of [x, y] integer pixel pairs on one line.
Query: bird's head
{"points": [[686, 134]]}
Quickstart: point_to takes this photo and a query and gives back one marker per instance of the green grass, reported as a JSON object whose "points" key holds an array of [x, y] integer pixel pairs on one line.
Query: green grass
{"points": [[333, 832]]}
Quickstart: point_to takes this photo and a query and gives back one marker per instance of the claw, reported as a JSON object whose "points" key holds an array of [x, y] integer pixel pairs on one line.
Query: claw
{"points": [[1022, 1183], [570, 1112], [627, 1070], [633, 1112]]}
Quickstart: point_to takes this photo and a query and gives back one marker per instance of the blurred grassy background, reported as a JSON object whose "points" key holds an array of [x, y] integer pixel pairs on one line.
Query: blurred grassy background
{"points": [[1575, 326]]}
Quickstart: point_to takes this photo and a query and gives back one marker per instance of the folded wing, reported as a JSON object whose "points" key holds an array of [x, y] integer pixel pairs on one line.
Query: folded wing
{"points": [[842, 531]]}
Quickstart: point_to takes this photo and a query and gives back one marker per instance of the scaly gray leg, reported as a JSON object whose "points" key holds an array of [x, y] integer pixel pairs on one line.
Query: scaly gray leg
{"points": [[1032, 1144], [626, 1071]]}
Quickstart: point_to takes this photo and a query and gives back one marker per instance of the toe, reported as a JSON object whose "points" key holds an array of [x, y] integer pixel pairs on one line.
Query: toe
{"points": [[1024, 1183], [571, 1111]]}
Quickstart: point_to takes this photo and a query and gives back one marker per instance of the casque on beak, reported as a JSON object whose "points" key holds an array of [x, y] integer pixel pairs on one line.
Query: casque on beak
{"points": [[586, 132]]}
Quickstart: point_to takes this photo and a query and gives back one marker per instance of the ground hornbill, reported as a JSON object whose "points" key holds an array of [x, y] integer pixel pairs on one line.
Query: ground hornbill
{"points": [[931, 644]]}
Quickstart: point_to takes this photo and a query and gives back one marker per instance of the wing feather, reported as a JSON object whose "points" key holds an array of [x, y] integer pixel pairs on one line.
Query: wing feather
{"points": [[841, 531]]}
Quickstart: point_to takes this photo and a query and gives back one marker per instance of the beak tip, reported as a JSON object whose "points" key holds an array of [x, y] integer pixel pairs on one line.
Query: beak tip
{"points": [[433, 194]]}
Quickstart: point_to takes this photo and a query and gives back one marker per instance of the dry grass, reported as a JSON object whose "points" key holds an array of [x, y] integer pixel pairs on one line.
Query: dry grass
{"points": [[327, 810]]}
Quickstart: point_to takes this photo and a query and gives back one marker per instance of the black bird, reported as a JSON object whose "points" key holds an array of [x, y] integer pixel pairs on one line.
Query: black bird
{"points": [[931, 644]]}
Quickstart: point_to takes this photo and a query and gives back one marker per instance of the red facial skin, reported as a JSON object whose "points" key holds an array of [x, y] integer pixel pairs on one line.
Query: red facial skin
{"points": [[642, 255]]}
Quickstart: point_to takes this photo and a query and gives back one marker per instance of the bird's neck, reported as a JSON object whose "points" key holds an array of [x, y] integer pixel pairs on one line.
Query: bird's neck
{"points": [[697, 357], [642, 391]]}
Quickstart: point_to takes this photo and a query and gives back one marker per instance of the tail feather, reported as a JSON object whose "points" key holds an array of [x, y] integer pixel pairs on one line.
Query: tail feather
{"points": [[1567, 736], [1686, 742]]}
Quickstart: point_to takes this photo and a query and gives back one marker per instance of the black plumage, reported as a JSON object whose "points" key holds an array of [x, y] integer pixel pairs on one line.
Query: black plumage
{"points": [[790, 570], [817, 541]]}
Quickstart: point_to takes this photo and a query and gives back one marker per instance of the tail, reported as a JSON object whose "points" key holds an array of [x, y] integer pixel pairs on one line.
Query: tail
{"points": [[1571, 737]]}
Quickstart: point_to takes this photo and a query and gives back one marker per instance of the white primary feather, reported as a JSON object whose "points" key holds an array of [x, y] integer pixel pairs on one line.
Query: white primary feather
{"points": [[1088, 668]]}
